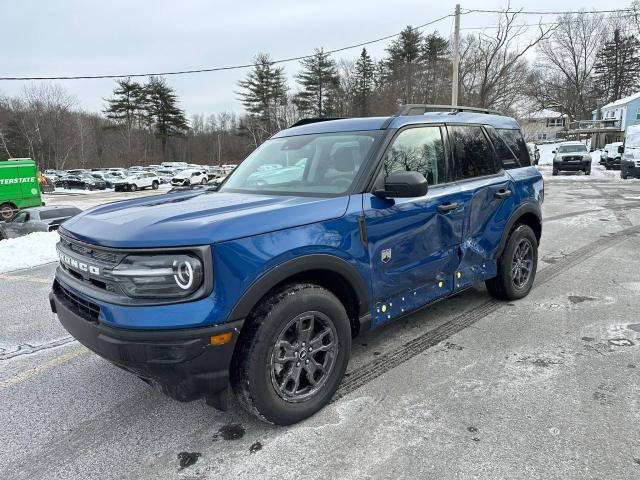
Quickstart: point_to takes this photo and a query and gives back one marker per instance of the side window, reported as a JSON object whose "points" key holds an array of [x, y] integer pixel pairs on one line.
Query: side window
{"points": [[421, 150], [504, 154], [473, 153], [21, 217], [515, 141]]}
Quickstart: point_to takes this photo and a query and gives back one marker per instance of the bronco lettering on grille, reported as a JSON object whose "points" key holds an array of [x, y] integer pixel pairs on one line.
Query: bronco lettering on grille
{"points": [[77, 264]]}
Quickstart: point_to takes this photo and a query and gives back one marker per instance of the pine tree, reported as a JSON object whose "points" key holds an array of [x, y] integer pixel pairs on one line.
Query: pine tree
{"points": [[264, 92], [319, 82], [404, 64], [163, 112], [617, 67], [437, 64], [126, 106], [364, 83]]}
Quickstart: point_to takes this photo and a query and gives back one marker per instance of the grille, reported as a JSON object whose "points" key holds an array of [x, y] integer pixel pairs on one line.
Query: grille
{"points": [[90, 252], [81, 307]]}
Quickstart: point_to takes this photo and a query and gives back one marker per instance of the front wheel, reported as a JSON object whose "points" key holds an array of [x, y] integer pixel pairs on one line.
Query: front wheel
{"points": [[587, 172], [7, 211], [154, 185], [554, 172], [133, 187], [623, 176], [294, 354], [516, 266]]}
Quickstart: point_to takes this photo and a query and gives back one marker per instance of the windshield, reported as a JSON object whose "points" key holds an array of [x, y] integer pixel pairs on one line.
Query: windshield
{"points": [[572, 149], [323, 164], [632, 140]]}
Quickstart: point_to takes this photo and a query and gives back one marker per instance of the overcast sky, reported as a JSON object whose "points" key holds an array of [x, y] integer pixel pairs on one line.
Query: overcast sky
{"points": [[81, 37]]}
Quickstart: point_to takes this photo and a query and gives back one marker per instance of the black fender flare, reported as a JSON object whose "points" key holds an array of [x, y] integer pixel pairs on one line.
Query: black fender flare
{"points": [[523, 209], [279, 273]]}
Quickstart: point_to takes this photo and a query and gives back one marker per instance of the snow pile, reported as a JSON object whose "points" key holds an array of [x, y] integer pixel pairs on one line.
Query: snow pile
{"points": [[28, 251]]}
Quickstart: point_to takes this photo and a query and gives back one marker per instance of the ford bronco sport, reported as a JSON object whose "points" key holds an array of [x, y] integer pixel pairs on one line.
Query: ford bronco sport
{"points": [[261, 284]]}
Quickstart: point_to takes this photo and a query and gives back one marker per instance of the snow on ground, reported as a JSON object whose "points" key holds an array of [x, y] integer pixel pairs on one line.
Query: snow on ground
{"points": [[28, 251], [598, 172]]}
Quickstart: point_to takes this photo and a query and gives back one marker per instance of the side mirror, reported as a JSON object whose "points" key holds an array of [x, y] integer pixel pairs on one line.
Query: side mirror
{"points": [[621, 149], [553, 151], [404, 185]]}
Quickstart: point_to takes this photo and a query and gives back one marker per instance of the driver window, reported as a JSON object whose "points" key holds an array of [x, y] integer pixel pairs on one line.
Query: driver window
{"points": [[419, 150], [21, 217]]}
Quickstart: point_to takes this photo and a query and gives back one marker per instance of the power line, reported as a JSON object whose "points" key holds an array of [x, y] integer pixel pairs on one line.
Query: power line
{"points": [[568, 12], [219, 69]]}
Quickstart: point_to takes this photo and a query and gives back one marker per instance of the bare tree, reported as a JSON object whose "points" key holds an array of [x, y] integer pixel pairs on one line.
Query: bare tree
{"points": [[493, 68], [568, 57]]}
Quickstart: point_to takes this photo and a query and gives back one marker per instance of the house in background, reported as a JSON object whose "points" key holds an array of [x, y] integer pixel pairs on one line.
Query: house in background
{"points": [[543, 125], [610, 121]]}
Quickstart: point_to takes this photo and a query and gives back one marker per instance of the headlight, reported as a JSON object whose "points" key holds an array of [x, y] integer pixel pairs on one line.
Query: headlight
{"points": [[159, 276]]}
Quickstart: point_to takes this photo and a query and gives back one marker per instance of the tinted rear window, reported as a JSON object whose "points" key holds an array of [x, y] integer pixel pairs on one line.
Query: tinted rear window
{"points": [[58, 213], [514, 140]]}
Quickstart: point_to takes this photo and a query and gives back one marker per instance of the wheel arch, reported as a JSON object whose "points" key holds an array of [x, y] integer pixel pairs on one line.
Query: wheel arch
{"points": [[528, 214], [328, 271]]}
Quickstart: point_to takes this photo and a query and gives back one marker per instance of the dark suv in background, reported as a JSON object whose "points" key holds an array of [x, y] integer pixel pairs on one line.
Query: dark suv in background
{"points": [[328, 229]]}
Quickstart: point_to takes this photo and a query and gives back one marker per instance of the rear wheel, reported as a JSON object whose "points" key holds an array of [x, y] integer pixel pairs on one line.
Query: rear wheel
{"points": [[516, 266], [293, 356], [623, 175], [7, 211], [204, 181], [587, 172]]}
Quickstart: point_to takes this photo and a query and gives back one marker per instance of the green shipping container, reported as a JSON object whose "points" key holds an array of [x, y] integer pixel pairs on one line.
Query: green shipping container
{"points": [[19, 187]]}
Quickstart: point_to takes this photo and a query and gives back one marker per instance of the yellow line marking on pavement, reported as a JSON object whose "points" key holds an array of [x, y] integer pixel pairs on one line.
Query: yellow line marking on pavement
{"points": [[43, 367], [26, 278]]}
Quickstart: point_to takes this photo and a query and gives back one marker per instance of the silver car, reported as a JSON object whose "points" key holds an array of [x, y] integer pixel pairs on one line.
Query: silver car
{"points": [[37, 219]]}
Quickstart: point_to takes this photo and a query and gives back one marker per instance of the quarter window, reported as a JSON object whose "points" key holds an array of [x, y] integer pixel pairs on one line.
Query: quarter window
{"points": [[515, 141], [418, 150], [473, 152]]}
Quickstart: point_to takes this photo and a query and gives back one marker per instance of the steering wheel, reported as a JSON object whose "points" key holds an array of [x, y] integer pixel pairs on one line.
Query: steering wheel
{"points": [[337, 182]]}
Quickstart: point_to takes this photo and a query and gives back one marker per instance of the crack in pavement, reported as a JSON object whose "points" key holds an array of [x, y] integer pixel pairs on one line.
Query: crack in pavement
{"points": [[28, 349]]}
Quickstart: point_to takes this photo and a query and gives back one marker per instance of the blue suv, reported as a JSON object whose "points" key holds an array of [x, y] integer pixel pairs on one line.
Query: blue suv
{"points": [[329, 228]]}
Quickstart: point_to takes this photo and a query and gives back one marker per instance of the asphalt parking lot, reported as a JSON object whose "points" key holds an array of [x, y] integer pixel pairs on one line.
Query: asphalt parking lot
{"points": [[545, 387]]}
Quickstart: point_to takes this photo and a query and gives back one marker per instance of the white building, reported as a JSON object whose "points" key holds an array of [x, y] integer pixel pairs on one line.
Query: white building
{"points": [[543, 125]]}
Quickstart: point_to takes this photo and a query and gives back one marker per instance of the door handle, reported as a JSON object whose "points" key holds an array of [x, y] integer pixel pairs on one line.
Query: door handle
{"points": [[447, 207], [502, 193]]}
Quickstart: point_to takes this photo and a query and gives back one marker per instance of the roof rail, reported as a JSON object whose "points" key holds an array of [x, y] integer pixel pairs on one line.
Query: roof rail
{"points": [[421, 109], [307, 121]]}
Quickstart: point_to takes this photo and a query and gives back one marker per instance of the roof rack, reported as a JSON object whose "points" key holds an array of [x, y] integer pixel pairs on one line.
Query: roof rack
{"points": [[421, 109], [307, 121]]}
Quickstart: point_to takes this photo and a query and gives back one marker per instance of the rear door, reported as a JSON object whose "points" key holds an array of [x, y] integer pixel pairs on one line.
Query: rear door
{"points": [[488, 193], [413, 242], [29, 186]]}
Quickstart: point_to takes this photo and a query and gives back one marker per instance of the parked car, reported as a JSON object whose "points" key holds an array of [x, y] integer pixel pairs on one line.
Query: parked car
{"points": [[19, 187], [107, 177], [165, 174], [534, 153], [80, 182], [630, 151], [572, 157], [612, 162], [37, 219], [263, 288], [137, 181], [189, 177]]}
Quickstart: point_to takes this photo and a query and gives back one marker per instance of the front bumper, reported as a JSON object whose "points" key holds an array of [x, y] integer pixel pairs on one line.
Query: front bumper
{"points": [[631, 169], [572, 166], [181, 363]]}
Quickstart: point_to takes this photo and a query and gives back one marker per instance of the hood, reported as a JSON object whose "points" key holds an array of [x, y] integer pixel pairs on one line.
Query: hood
{"points": [[181, 219]]}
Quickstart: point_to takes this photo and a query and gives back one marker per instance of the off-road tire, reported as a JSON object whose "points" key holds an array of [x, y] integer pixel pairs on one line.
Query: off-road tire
{"points": [[7, 211], [502, 287], [251, 369]]}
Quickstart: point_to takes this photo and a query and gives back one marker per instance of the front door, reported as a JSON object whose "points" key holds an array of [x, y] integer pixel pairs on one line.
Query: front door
{"points": [[413, 242]]}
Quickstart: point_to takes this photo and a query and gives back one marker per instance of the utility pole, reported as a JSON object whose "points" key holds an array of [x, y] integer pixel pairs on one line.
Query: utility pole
{"points": [[456, 57]]}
